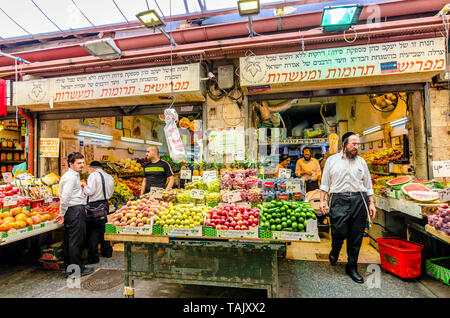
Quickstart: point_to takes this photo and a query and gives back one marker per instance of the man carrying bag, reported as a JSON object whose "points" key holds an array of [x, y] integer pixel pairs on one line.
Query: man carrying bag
{"points": [[99, 188]]}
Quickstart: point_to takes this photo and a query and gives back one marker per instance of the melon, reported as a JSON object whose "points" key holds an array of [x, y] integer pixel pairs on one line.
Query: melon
{"points": [[423, 196], [397, 183]]}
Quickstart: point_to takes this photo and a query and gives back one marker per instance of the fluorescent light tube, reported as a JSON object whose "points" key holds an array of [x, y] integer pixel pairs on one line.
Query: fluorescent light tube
{"points": [[151, 142], [399, 122], [372, 130], [83, 133], [137, 141]]}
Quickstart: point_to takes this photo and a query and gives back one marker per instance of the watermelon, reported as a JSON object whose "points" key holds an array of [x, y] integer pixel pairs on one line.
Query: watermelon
{"points": [[423, 196], [397, 183], [419, 192], [439, 183]]}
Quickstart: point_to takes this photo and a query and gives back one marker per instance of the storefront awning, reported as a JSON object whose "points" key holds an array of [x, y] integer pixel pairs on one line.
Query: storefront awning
{"points": [[155, 85]]}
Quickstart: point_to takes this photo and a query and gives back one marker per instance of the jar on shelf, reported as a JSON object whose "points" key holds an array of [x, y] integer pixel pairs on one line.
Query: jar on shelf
{"points": [[4, 143], [22, 156], [3, 156], [10, 143], [15, 143], [9, 168], [16, 156], [9, 156], [3, 169]]}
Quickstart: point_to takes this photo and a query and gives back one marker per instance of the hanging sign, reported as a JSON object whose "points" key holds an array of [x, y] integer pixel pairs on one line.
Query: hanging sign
{"points": [[441, 169]]}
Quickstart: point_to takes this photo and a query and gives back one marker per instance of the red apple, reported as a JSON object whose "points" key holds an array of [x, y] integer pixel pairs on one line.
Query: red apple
{"points": [[219, 227], [237, 227], [246, 223], [224, 227], [244, 227]]}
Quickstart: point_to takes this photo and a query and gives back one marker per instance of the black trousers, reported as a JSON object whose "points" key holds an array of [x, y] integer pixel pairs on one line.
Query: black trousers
{"points": [[95, 233], [74, 221], [348, 220]]}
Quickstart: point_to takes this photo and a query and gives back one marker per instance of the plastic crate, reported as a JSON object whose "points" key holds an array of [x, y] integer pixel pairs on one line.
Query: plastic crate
{"points": [[439, 272], [400, 257]]}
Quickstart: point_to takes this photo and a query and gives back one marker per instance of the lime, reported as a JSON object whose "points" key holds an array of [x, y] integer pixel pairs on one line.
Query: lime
{"points": [[301, 227], [301, 220], [267, 225], [277, 221], [283, 214], [279, 227], [314, 216], [294, 225], [289, 223], [284, 219], [273, 227], [293, 218], [303, 215], [288, 211], [283, 224]]}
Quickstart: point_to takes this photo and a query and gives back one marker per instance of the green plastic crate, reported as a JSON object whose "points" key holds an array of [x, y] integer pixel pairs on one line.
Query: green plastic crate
{"points": [[438, 272]]}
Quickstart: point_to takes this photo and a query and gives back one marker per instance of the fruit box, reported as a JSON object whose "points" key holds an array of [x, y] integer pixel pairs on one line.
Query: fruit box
{"points": [[395, 194], [52, 253], [112, 229], [439, 268], [311, 234], [250, 233], [195, 231], [51, 264]]}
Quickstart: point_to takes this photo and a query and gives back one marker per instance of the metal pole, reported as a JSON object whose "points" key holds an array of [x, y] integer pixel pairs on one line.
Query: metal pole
{"points": [[14, 57], [250, 25], [167, 36]]}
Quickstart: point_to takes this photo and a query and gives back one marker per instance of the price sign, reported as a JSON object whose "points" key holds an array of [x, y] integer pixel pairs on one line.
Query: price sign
{"points": [[209, 176], [196, 178], [293, 186], [444, 195], [232, 196], [10, 201], [156, 192], [441, 169], [186, 174], [197, 194], [7, 177], [284, 173], [48, 198]]}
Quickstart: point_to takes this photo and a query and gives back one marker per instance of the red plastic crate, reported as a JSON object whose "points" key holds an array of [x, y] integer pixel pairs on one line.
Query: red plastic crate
{"points": [[400, 257]]}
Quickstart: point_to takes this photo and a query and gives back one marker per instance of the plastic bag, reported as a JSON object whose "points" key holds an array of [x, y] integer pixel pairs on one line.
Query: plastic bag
{"points": [[173, 138]]}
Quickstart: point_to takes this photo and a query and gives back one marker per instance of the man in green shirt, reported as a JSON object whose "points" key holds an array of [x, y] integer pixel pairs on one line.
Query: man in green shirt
{"points": [[158, 172]]}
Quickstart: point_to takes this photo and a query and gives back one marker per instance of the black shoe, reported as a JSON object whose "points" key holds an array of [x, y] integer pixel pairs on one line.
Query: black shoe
{"points": [[87, 271], [354, 275], [333, 259]]}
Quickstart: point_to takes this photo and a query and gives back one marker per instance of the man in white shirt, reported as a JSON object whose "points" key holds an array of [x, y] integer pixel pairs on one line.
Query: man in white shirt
{"points": [[73, 214], [347, 178], [97, 196]]}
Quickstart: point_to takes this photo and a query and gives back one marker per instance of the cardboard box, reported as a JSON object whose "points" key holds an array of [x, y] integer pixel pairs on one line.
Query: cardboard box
{"points": [[53, 265], [310, 235], [253, 232], [195, 231], [52, 253]]}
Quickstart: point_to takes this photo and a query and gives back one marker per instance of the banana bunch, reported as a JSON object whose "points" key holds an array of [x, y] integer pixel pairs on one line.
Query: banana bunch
{"points": [[122, 193]]}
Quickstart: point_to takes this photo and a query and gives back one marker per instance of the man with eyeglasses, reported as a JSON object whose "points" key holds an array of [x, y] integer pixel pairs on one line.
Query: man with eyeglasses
{"points": [[346, 178], [73, 215]]}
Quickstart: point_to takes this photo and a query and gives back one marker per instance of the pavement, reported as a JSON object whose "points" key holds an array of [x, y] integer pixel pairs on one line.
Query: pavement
{"points": [[297, 279]]}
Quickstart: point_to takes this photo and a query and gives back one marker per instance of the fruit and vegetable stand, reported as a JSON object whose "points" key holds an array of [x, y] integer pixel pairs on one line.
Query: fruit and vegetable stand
{"points": [[242, 263]]}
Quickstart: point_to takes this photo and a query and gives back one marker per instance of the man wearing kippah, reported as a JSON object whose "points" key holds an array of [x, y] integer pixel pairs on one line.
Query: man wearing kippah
{"points": [[346, 178]]}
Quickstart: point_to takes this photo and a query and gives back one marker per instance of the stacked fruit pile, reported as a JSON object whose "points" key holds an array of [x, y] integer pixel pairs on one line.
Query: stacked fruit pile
{"points": [[122, 193], [19, 218], [383, 157], [286, 216], [130, 166], [441, 221], [133, 183], [211, 189], [230, 217], [181, 216], [138, 213]]}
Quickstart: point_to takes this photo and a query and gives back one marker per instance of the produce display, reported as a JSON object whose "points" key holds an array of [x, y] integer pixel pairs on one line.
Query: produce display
{"points": [[139, 212], [134, 183], [397, 183], [441, 221], [383, 157], [122, 193], [286, 216], [230, 217], [18, 218], [419, 192], [181, 216]]}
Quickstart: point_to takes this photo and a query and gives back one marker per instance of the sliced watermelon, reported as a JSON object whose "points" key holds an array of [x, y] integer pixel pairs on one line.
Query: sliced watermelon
{"points": [[423, 196], [397, 183], [414, 187]]}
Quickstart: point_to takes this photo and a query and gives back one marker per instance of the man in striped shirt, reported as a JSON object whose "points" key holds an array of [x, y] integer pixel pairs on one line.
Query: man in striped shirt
{"points": [[158, 172]]}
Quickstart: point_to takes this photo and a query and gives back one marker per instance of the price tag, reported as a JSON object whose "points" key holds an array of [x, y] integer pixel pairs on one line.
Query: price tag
{"points": [[156, 192], [444, 195], [48, 198], [209, 176], [7, 177], [186, 174], [232, 196], [196, 178], [441, 169], [284, 173], [197, 194], [293, 186], [10, 201]]}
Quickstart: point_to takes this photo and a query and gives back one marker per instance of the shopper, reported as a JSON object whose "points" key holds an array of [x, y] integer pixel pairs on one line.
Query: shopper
{"points": [[325, 157], [308, 169], [347, 179], [284, 163], [158, 172], [99, 188], [73, 214]]}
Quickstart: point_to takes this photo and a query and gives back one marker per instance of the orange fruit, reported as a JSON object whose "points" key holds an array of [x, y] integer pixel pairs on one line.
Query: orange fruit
{"points": [[21, 224], [9, 219], [21, 216], [6, 214], [5, 227]]}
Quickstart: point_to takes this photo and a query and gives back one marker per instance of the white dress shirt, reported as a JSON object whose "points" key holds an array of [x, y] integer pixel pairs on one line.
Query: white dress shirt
{"points": [[70, 192], [94, 188], [346, 175]]}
